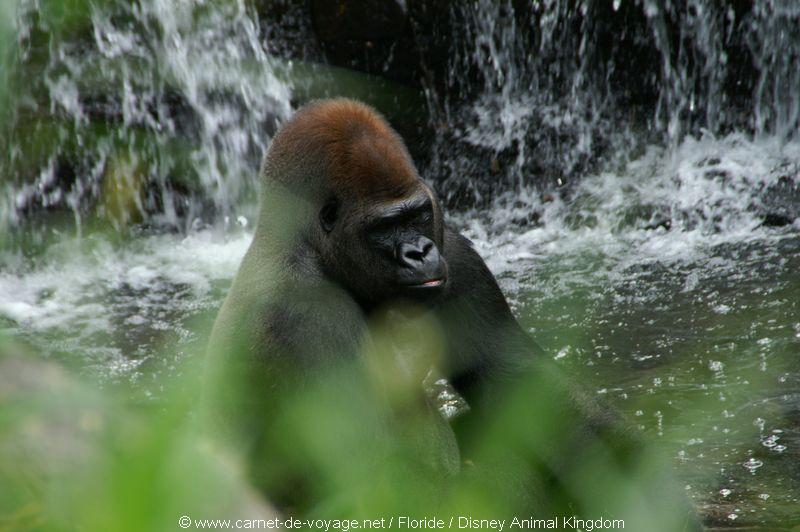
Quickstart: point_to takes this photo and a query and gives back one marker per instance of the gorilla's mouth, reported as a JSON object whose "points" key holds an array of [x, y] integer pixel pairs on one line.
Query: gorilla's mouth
{"points": [[430, 283]]}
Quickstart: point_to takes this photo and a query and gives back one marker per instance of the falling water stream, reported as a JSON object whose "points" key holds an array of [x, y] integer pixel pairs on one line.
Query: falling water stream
{"points": [[651, 250]]}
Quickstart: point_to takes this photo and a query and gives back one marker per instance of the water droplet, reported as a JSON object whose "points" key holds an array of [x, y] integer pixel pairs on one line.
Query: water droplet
{"points": [[564, 351], [770, 441], [725, 492], [716, 365], [753, 464]]}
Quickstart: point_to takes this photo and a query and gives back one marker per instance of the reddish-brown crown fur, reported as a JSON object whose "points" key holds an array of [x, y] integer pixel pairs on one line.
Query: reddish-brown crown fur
{"points": [[361, 153]]}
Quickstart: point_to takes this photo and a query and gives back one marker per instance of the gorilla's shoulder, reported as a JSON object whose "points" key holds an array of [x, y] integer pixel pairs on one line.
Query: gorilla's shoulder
{"points": [[458, 238]]}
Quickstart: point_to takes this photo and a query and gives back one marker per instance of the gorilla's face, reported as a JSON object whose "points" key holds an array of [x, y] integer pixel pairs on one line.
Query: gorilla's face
{"points": [[382, 249]]}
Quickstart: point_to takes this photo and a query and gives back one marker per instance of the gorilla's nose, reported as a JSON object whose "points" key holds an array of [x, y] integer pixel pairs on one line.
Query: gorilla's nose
{"points": [[417, 254], [423, 271]]}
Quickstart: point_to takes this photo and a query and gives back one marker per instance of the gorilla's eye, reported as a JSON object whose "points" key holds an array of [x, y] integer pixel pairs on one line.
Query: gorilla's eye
{"points": [[328, 215]]}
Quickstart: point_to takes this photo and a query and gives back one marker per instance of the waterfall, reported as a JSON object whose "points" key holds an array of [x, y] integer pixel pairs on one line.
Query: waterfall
{"points": [[544, 92], [157, 112]]}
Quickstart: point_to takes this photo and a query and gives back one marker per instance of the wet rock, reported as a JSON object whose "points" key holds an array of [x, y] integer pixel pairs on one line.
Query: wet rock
{"points": [[777, 204], [780, 203], [531, 219], [665, 224], [122, 190], [776, 220]]}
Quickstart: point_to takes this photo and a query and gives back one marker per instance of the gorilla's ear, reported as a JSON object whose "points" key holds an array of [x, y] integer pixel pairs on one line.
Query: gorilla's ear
{"points": [[329, 214]]}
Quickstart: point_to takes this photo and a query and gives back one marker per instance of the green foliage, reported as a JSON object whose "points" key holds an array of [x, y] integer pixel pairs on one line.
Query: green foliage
{"points": [[360, 442], [73, 457]]}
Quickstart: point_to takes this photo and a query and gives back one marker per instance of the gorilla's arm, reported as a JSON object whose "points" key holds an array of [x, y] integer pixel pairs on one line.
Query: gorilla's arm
{"points": [[488, 351], [490, 356], [486, 345]]}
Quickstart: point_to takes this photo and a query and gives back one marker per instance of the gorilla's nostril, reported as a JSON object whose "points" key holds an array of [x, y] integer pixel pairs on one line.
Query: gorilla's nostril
{"points": [[414, 254]]}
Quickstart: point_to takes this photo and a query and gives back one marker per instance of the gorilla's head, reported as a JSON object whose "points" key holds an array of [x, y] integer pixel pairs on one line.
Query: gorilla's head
{"points": [[373, 224]]}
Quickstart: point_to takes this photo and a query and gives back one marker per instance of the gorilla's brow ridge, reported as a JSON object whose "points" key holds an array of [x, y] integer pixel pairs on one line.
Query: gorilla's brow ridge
{"points": [[400, 209]]}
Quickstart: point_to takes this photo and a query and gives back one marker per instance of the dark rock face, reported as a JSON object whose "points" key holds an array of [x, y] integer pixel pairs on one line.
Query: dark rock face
{"points": [[358, 20], [372, 36], [287, 30]]}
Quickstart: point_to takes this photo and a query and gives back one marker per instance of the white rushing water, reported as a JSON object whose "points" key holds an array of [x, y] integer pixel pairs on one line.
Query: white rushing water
{"points": [[110, 306], [666, 206], [708, 189]]}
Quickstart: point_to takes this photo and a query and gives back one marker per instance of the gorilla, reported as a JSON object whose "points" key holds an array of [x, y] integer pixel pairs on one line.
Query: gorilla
{"points": [[348, 229], [362, 230]]}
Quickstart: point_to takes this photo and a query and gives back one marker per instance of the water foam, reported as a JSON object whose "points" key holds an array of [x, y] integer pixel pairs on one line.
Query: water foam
{"points": [[113, 306], [666, 206]]}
